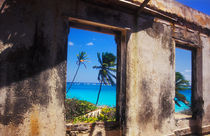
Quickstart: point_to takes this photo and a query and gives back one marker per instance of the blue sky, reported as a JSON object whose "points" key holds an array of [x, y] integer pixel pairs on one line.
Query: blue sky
{"points": [[183, 61], [200, 5], [92, 42]]}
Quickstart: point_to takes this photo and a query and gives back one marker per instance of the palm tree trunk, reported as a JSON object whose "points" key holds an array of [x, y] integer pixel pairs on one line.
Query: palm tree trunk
{"points": [[99, 93], [73, 79]]}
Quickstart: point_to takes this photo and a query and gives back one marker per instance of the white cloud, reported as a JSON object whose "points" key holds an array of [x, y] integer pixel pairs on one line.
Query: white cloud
{"points": [[187, 70], [90, 44], [71, 43], [187, 77]]}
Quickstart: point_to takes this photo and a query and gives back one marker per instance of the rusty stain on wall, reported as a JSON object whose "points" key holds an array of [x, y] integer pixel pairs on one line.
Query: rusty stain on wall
{"points": [[34, 123]]}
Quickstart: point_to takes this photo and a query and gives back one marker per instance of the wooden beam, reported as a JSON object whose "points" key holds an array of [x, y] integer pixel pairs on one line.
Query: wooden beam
{"points": [[86, 22], [141, 8]]}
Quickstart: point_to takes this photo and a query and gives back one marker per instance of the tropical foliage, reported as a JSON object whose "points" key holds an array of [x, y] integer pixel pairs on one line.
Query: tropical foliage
{"points": [[81, 59], [76, 111], [181, 84], [75, 108], [107, 114], [106, 69]]}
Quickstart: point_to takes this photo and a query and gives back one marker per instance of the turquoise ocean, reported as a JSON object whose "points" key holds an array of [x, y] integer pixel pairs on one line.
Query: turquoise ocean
{"points": [[187, 94], [89, 92]]}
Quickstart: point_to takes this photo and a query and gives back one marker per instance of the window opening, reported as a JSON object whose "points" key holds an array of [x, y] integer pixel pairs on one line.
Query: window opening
{"points": [[183, 83], [91, 67]]}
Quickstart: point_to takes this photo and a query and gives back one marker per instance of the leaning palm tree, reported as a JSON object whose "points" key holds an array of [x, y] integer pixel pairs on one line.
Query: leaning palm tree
{"points": [[181, 84], [106, 69], [81, 59]]}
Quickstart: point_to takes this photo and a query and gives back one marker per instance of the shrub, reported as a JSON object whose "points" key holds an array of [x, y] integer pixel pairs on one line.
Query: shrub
{"points": [[85, 119], [75, 108], [107, 114]]}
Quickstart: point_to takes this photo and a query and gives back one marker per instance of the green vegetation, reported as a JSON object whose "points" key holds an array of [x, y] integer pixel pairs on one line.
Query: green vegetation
{"points": [[106, 67], [76, 111], [181, 84], [81, 59], [107, 114], [75, 108]]}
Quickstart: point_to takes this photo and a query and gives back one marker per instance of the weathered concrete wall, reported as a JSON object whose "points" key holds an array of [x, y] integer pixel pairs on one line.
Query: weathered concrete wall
{"points": [[33, 39], [32, 69], [206, 78], [150, 83]]}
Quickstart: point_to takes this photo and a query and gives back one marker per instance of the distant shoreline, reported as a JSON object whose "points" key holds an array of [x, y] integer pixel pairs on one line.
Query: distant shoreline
{"points": [[87, 83]]}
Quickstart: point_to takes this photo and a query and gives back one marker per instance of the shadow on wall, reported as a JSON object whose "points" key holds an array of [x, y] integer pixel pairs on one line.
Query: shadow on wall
{"points": [[29, 47], [164, 111], [197, 117]]}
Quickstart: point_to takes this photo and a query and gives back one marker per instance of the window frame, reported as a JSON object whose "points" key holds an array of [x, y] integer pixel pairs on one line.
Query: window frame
{"points": [[120, 38], [196, 75]]}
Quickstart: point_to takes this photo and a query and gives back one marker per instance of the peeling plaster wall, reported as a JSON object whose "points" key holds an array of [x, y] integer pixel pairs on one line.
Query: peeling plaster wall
{"points": [[206, 78], [32, 69], [33, 42], [150, 80]]}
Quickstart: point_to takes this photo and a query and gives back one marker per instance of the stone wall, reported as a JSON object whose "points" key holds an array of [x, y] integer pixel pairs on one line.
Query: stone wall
{"points": [[92, 129], [33, 51]]}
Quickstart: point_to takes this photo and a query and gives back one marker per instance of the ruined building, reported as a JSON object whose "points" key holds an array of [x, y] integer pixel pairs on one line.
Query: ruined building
{"points": [[33, 53]]}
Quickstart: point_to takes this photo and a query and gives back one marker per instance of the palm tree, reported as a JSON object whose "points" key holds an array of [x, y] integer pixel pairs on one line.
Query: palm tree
{"points": [[106, 67], [81, 59], [181, 84]]}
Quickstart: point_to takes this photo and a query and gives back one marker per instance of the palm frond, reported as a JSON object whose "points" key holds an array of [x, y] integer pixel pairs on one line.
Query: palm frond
{"points": [[97, 67], [81, 57], [99, 76], [109, 59], [109, 73], [181, 84], [111, 80], [99, 58], [112, 69], [107, 63], [106, 80], [177, 103], [181, 98]]}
